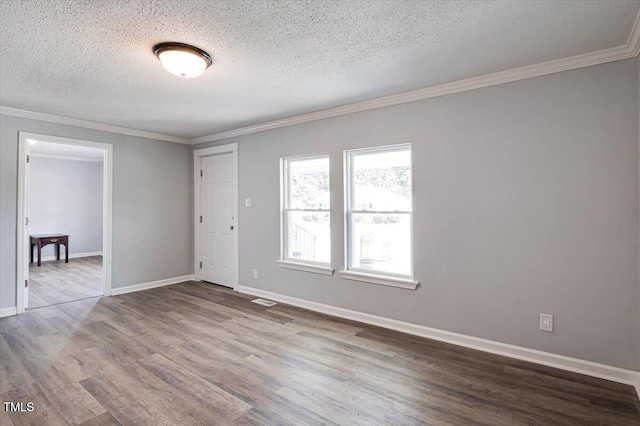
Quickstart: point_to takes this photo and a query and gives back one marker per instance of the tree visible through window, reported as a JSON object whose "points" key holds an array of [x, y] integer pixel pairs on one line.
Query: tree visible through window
{"points": [[379, 210], [306, 209]]}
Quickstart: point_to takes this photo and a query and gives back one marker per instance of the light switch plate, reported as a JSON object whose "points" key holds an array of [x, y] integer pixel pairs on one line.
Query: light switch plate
{"points": [[247, 202]]}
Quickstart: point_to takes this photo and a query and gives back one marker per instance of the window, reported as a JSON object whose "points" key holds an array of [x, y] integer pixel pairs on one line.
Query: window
{"points": [[379, 215], [306, 217]]}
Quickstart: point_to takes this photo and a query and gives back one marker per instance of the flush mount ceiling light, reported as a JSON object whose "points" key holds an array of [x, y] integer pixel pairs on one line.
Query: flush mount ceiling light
{"points": [[182, 59]]}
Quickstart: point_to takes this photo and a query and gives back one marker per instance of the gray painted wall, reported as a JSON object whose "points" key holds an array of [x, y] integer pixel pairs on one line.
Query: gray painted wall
{"points": [[65, 196], [526, 201], [151, 204]]}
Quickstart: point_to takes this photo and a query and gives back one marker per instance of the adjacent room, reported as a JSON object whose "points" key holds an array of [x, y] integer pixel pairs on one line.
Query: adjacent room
{"points": [[65, 223], [292, 212]]}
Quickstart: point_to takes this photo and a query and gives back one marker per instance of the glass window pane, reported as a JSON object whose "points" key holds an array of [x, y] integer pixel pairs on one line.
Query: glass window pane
{"points": [[381, 242], [382, 181], [309, 184], [309, 236]]}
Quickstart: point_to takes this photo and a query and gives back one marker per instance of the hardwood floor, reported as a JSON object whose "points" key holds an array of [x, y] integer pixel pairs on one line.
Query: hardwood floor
{"points": [[195, 353], [59, 282]]}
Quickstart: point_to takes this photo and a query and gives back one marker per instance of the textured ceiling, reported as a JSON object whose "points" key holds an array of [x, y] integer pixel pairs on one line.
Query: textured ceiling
{"points": [[92, 60]]}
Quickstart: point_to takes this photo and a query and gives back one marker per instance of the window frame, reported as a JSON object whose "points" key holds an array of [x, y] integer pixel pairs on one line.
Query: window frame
{"points": [[367, 275], [285, 225]]}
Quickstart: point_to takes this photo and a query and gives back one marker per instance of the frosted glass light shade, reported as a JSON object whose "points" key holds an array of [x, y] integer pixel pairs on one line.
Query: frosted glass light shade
{"points": [[182, 60]]}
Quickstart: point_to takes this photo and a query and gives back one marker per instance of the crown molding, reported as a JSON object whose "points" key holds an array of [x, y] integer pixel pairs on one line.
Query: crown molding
{"points": [[89, 125], [628, 50]]}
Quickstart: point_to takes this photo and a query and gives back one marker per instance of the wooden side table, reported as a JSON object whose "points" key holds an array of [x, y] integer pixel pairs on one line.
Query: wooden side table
{"points": [[42, 240]]}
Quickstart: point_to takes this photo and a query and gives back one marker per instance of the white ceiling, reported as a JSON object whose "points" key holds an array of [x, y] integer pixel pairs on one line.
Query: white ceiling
{"points": [[92, 60], [68, 152]]}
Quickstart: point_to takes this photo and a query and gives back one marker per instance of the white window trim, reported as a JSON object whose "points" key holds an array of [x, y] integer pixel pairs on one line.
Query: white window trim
{"points": [[306, 267], [380, 279], [284, 261], [356, 274]]}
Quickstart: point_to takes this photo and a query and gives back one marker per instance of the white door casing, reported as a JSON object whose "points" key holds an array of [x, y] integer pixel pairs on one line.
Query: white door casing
{"points": [[23, 246], [27, 214], [216, 215]]}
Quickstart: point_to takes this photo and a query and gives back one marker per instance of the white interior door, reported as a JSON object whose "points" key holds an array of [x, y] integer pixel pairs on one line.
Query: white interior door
{"points": [[218, 219]]}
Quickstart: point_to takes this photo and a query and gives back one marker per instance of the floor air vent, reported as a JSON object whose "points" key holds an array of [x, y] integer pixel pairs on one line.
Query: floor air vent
{"points": [[263, 302]]}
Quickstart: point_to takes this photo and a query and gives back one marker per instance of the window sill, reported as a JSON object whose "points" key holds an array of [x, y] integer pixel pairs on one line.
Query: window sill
{"points": [[306, 267], [380, 279]]}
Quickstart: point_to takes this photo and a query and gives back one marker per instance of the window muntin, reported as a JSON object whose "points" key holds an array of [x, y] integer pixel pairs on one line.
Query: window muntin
{"points": [[306, 213], [379, 208]]}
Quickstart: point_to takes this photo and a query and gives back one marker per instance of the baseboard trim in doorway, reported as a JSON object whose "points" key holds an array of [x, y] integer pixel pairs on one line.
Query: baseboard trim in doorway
{"points": [[152, 284], [71, 256], [7, 312], [589, 368]]}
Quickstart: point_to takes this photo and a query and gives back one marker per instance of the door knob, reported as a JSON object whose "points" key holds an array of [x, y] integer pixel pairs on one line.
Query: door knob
{"points": [[231, 227]]}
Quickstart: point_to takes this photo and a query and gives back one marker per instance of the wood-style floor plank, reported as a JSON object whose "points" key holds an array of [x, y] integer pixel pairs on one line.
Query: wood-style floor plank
{"points": [[58, 282], [195, 353]]}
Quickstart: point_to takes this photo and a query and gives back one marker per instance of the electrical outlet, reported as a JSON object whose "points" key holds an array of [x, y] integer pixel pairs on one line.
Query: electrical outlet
{"points": [[546, 322], [255, 274], [247, 202]]}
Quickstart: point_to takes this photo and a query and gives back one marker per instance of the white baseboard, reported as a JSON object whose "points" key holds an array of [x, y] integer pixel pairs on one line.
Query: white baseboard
{"points": [[71, 256], [153, 284], [589, 368], [7, 312]]}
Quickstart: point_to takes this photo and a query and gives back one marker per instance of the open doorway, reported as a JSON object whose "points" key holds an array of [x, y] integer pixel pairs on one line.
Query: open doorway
{"points": [[66, 205], [65, 213]]}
